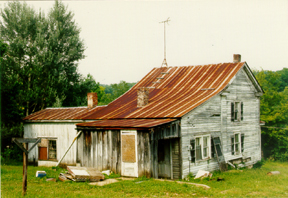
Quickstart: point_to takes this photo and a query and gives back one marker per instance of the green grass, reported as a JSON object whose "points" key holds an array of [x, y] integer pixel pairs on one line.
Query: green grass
{"points": [[249, 183]]}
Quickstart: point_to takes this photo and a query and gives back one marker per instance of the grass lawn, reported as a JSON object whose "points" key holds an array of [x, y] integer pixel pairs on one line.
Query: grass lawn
{"points": [[249, 183]]}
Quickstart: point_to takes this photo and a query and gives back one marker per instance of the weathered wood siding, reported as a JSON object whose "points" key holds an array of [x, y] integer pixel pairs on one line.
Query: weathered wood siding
{"points": [[102, 152], [214, 118], [144, 155], [168, 132], [64, 134]]}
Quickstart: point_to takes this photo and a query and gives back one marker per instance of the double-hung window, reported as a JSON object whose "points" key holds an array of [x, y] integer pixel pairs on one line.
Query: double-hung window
{"points": [[200, 148], [237, 111], [237, 143]]}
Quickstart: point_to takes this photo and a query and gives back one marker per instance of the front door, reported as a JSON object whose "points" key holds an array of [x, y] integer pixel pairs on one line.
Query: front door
{"points": [[129, 165]]}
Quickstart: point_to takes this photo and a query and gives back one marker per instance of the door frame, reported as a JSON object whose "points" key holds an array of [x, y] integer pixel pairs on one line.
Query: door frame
{"points": [[129, 132]]}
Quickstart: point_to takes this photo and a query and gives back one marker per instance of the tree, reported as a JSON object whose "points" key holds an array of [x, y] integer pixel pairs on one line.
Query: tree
{"points": [[274, 111], [39, 66], [43, 53]]}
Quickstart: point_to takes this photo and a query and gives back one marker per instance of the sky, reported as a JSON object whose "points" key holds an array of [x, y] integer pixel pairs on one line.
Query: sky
{"points": [[124, 39]]}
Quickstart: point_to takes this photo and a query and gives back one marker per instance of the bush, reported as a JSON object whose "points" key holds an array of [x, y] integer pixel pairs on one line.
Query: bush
{"points": [[282, 157], [259, 164], [12, 155]]}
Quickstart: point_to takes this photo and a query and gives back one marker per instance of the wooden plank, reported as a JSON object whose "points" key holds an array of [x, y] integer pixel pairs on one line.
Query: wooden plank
{"points": [[156, 158], [25, 140], [109, 146], [94, 145], [147, 158], [25, 166], [140, 153], [114, 151], [118, 166], [104, 148], [79, 154], [99, 151], [88, 148]]}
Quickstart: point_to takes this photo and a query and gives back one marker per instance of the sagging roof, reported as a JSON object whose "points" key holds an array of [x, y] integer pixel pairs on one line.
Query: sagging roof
{"points": [[64, 113], [177, 90], [124, 124]]}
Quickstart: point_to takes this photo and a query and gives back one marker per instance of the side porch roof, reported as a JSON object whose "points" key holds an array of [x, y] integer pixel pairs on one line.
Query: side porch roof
{"points": [[138, 124]]}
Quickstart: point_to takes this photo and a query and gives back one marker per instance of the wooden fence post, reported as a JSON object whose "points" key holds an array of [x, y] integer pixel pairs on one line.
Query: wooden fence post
{"points": [[24, 185]]}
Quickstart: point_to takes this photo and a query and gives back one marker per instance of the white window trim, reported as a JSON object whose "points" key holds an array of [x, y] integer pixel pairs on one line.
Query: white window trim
{"points": [[237, 104], [202, 147], [240, 143]]}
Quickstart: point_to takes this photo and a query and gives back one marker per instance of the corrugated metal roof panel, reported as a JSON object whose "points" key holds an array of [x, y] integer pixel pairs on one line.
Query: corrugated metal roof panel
{"points": [[181, 90], [125, 123], [65, 113]]}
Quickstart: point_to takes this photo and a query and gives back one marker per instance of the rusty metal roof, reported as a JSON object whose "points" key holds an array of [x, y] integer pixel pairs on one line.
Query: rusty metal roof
{"points": [[124, 123], [177, 90], [65, 113]]}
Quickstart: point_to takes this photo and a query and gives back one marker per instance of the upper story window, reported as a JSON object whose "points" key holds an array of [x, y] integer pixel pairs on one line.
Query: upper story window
{"points": [[237, 111]]}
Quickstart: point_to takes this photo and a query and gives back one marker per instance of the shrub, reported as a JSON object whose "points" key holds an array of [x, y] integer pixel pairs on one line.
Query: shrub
{"points": [[259, 164]]}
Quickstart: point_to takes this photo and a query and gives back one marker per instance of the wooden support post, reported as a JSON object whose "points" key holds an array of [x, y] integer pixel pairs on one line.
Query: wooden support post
{"points": [[25, 160], [24, 148]]}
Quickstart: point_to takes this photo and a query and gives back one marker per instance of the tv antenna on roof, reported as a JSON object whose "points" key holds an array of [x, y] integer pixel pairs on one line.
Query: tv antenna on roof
{"points": [[164, 63]]}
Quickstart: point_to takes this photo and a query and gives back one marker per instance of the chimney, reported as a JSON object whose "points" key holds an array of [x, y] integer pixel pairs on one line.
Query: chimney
{"points": [[236, 58], [142, 96], [92, 100]]}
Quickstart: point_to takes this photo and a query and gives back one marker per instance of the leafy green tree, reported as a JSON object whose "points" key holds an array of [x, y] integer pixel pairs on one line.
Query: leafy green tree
{"points": [[114, 91], [39, 66], [43, 53], [274, 111]]}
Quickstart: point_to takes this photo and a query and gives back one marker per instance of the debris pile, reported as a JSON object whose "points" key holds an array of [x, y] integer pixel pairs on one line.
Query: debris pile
{"points": [[81, 174], [201, 174]]}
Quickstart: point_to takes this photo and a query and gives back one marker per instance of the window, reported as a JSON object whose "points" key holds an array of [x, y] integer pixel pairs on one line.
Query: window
{"points": [[200, 148], [237, 143], [47, 149], [236, 111]]}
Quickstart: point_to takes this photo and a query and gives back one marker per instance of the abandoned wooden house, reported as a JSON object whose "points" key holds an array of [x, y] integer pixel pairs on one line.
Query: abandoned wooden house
{"points": [[175, 121]]}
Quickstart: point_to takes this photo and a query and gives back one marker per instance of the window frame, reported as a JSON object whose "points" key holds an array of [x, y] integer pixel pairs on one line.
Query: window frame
{"points": [[48, 149], [237, 111], [198, 149], [239, 145]]}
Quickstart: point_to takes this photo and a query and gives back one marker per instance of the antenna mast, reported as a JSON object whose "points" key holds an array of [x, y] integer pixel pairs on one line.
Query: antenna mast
{"points": [[164, 63]]}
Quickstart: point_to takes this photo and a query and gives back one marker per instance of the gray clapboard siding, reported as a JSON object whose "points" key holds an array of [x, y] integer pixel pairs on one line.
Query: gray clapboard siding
{"points": [[199, 122]]}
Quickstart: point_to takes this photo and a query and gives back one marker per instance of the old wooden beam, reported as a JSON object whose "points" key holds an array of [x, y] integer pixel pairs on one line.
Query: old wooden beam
{"points": [[25, 140], [37, 141], [25, 160]]}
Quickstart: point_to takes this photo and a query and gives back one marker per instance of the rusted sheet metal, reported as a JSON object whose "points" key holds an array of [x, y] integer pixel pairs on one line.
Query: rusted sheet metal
{"points": [[65, 113], [181, 90], [123, 123]]}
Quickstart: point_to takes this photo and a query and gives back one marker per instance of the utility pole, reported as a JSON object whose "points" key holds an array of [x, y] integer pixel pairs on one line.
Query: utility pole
{"points": [[164, 63]]}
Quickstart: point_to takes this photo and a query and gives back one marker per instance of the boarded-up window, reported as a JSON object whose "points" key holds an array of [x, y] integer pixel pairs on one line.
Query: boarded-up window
{"points": [[128, 148]]}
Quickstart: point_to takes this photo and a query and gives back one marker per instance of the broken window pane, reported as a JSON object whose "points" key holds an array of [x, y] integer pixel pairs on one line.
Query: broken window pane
{"points": [[52, 149]]}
